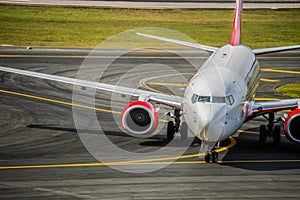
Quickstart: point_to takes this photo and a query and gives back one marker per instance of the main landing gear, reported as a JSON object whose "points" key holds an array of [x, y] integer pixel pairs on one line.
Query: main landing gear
{"points": [[270, 130], [174, 126]]}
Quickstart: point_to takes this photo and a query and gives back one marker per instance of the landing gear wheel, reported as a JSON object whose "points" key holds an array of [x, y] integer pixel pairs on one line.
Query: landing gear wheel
{"points": [[214, 157], [262, 134], [170, 130], [276, 135], [183, 131], [208, 158]]}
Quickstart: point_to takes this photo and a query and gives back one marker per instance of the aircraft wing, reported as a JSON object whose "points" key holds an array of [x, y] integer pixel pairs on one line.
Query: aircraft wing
{"points": [[274, 49], [264, 107], [173, 101], [187, 44]]}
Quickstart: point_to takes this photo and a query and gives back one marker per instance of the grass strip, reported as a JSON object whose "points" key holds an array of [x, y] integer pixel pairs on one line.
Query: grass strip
{"points": [[85, 27], [291, 90]]}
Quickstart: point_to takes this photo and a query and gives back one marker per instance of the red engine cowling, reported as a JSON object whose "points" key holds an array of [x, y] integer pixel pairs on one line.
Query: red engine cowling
{"points": [[292, 126], [139, 117]]}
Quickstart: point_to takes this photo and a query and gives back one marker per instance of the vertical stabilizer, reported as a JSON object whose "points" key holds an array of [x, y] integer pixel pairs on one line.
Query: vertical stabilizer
{"points": [[237, 24]]}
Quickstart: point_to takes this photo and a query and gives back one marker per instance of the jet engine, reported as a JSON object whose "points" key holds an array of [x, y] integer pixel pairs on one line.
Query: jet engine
{"points": [[140, 118], [292, 126]]}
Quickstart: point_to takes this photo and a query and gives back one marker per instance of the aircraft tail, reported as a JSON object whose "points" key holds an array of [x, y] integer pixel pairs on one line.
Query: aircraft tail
{"points": [[237, 24]]}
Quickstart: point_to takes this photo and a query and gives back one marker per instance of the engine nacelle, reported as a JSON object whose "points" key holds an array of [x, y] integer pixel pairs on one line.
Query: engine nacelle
{"points": [[292, 126], [140, 118]]}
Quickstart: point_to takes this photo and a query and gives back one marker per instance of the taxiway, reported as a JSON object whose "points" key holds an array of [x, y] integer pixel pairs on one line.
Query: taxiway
{"points": [[42, 156]]}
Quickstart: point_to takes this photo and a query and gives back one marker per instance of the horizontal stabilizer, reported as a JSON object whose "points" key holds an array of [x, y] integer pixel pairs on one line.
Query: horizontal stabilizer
{"points": [[275, 49], [187, 44]]}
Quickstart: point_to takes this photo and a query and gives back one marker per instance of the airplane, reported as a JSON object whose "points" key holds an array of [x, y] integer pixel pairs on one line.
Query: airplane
{"points": [[218, 99]]}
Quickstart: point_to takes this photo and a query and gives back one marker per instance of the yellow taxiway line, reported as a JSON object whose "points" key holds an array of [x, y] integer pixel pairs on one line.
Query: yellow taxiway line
{"points": [[99, 57], [266, 99], [98, 164], [130, 162], [269, 80], [280, 71], [58, 101], [233, 142], [143, 82], [185, 84], [147, 161], [153, 50], [168, 84], [153, 161]]}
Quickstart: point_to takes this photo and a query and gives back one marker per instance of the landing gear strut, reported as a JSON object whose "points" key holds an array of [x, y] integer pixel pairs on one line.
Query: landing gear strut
{"points": [[173, 127], [270, 130]]}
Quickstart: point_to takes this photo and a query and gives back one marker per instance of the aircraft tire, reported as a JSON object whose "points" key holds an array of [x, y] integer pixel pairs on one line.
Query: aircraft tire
{"points": [[276, 135], [208, 158], [262, 134], [170, 130], [214, 157]]}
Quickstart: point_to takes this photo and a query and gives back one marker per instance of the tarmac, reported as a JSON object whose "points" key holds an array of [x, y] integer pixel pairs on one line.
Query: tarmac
{"points": [[43, 157]]}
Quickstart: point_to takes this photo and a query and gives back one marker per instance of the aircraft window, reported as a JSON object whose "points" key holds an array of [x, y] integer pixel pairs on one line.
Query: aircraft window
{"points": [[197, 98], [204, 99], [229, 100], [194, 98]]}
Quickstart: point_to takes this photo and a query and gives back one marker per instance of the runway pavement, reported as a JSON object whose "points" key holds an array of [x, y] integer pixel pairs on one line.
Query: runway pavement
{"points": [[42, 156]]}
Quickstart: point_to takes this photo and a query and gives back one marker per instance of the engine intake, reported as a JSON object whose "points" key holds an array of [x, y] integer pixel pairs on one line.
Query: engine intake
{"points": [[140, 118], [292, 126]]}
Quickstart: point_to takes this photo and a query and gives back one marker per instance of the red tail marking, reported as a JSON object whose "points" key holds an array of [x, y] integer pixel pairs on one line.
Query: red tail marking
{"points": [[237, 24]]}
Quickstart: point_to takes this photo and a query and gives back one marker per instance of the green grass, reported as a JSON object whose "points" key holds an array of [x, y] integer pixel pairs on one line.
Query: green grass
{"points": [[291, 90], [78, 27]]}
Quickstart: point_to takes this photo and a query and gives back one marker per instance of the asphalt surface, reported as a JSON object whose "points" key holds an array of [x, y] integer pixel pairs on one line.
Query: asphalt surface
{"points": [[290, 4], [42, 156]]}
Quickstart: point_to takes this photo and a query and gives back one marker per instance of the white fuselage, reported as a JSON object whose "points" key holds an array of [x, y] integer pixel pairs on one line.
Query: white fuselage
{"points": [[217, 98]]}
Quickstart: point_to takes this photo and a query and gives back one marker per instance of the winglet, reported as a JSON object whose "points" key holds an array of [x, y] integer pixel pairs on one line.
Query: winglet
{"points": [[237, 24]]}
